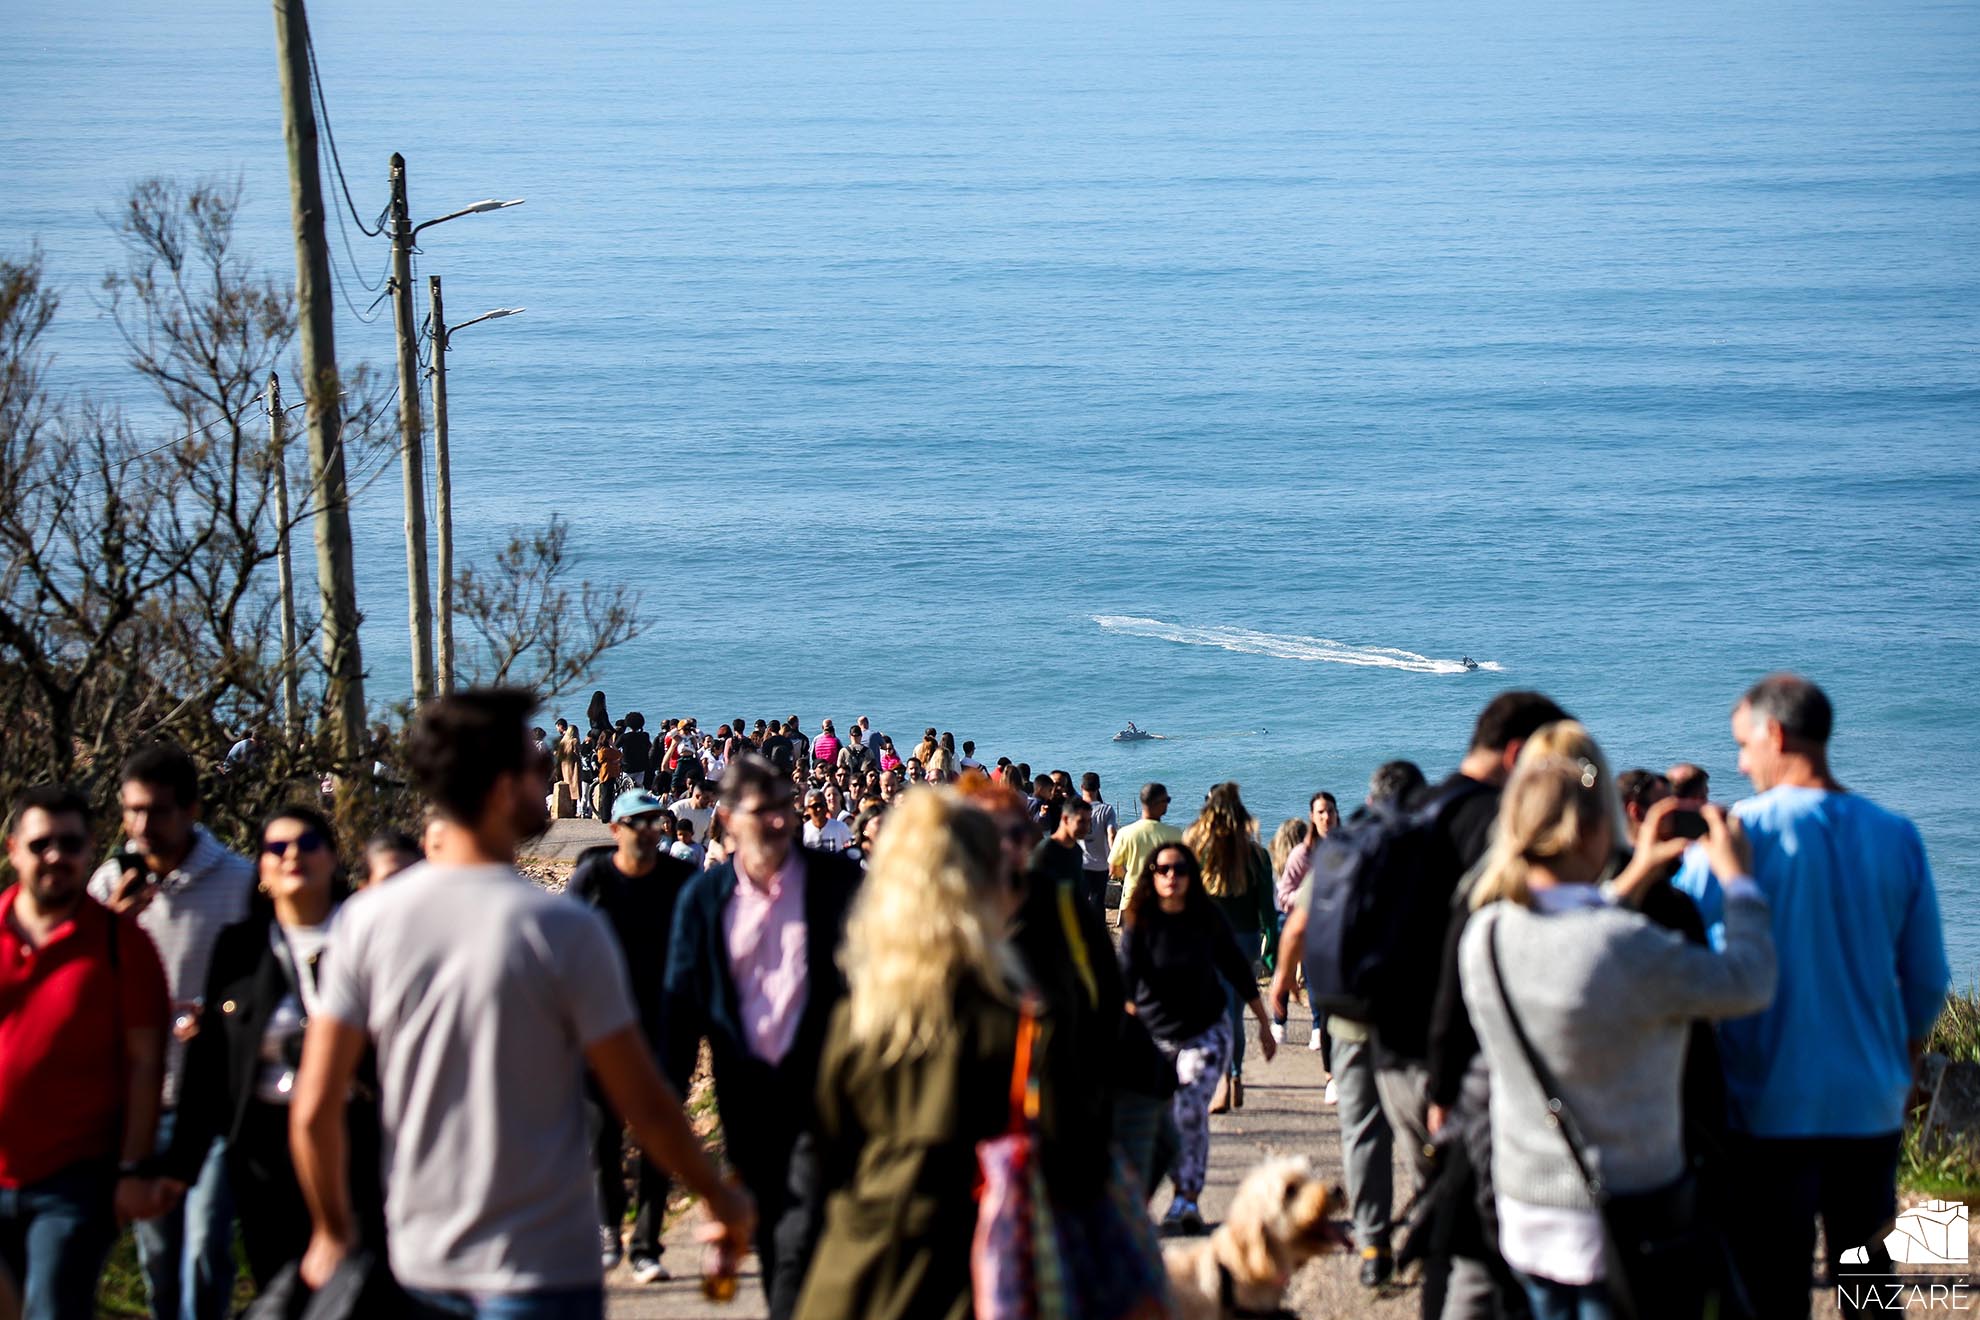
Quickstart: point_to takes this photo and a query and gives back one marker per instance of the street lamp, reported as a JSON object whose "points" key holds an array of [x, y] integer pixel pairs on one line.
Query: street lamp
{"points": [[478, 208], [411, 458], [495, 315], [443, 493]]}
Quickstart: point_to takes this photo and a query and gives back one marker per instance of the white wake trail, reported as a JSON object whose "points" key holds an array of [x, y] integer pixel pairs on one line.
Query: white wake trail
{"points": [[1286, 646]]}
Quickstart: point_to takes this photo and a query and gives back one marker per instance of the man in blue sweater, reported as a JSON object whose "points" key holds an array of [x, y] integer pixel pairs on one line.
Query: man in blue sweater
{"points": [[1817, 1083]]}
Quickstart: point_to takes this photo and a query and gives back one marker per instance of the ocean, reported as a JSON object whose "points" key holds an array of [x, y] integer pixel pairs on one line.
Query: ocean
{"points": [[1234, 369]]}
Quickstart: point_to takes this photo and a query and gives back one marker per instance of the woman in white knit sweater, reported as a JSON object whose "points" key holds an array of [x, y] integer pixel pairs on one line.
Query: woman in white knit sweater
{"points": [[1605, 997]]}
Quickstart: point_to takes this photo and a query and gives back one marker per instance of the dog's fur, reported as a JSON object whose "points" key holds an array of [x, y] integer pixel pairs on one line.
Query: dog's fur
{"points": [[1277, 1222]]}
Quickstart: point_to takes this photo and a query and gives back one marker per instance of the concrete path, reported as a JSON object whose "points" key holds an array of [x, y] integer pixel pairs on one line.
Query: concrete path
{"points": [[1284, 1112], [565, 839]]}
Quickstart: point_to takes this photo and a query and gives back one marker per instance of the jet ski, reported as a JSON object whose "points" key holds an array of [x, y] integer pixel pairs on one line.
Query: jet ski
{"points": [[1468, 663], [1132, 734]]}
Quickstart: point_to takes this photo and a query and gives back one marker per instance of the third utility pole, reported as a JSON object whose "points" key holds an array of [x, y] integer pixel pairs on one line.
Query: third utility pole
{"points": [[278, 457], [443, 487], [412, 451]]}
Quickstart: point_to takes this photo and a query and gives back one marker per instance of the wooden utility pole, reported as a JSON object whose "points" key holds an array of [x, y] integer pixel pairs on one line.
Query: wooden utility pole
{"points": [[336, 579], [412, 451], [443, 488], [278, 457]]}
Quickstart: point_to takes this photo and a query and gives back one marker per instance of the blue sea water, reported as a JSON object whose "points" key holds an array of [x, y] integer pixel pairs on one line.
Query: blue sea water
{"points": [[891, 348]]}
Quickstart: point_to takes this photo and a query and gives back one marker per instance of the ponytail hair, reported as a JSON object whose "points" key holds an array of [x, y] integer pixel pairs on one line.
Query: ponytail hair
{"points": [[1559, 795]]}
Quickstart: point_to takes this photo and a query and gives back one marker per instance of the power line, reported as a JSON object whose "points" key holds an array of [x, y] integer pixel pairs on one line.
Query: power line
{"points": [[330, 136], [344, 233]]}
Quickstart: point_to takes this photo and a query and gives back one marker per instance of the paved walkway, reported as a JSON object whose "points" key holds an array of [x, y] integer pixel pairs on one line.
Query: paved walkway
{"points": [[1284, 1112], [565, 839]]}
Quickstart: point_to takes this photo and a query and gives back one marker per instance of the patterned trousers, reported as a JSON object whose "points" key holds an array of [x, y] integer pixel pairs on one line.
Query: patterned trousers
{"points": [[1200, 1062]]}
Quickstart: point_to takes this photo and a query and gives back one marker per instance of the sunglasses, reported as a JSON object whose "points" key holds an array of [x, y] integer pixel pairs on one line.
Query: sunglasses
{"points": [[643, 822], [69, 845], [306, 844], [1173, 868]]}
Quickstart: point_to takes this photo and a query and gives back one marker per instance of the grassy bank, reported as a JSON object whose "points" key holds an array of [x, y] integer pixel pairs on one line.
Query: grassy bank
{"points": [[1949, 1170]]}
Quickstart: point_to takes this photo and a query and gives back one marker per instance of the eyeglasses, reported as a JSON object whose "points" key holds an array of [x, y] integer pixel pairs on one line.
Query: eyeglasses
{"points": [[308, 843], [69, 845]]}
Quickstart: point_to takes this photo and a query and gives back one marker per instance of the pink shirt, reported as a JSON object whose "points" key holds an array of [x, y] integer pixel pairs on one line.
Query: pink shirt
{"points": [[764, 926]]}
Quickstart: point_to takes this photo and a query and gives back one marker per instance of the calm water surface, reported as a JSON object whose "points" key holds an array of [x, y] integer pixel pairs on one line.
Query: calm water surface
{"points": [[891, 348]]}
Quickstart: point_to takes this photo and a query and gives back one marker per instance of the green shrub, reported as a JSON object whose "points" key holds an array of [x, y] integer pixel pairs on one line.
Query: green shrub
{"points": [[1957, 1032], [1950, 1169]]}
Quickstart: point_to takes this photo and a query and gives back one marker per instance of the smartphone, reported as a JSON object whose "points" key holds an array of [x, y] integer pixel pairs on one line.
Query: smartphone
{"points": [[130, 860], [1685, 823]]}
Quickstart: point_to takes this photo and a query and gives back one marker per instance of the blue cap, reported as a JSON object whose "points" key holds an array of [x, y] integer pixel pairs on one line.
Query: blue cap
{"points": [[635, 802]]}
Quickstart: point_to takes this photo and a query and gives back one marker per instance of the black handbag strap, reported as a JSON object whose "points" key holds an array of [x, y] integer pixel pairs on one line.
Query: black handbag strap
{"points": [[1559, 1116]]}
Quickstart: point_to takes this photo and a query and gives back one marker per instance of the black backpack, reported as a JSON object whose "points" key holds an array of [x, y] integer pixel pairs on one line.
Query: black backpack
{"points": [[1362, 877]]}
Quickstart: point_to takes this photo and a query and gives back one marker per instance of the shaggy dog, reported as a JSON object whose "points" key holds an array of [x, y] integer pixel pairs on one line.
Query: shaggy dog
{"points": [[1277, 1222]]}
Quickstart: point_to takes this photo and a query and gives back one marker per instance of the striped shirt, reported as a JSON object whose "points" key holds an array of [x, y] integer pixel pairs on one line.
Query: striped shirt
{"points": [[205, 894]]}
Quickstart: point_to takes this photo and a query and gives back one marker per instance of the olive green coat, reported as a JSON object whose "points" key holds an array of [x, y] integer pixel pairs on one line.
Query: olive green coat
{"points": [[896, 1162]]}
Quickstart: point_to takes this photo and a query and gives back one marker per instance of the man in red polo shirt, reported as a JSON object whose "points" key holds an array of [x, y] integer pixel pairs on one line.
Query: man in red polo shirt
{"points": [[82, 1056]]}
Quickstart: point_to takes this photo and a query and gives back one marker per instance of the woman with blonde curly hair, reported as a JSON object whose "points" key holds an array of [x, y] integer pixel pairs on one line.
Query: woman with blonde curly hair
{"points": [[1237, 878], [917, 1065]]}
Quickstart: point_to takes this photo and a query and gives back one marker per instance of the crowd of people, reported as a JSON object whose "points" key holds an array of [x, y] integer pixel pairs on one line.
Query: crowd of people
{"points": [[1585, 1007]]}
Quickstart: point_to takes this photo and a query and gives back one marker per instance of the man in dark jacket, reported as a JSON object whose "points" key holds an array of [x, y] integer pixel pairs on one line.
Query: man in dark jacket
{"points": [[752, 969], [637, 746], [635, 886], [1420, 1067]]}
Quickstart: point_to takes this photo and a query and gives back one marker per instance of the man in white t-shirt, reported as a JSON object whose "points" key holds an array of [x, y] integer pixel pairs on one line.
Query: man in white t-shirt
{"points": [[487, 1000], [697, 807], [821, 831]]}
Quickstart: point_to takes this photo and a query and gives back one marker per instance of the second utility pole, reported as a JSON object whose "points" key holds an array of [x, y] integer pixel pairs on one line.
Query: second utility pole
{"points": [[412, 451]]}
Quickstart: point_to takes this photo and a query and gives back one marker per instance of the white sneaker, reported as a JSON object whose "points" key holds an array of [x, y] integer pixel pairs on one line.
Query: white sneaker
{"points": [[1279, 1033], [1333, 1096], [648, 1269], [1315, 1039]]}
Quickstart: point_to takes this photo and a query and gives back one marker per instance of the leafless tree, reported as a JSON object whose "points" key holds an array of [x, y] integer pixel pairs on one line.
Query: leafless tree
{"points": [[137, 584], [529, 629]]}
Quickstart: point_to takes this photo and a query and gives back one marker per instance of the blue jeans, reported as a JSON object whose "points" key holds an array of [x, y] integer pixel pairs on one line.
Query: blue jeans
{"points": [[1566, 1301], [558, 1304], [188, 1254], [54, 1235], [1234, 1013]]}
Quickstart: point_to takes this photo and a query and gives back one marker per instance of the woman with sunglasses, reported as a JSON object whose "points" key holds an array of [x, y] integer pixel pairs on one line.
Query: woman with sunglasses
{"points": [[240, 1069], [1177, 955]]}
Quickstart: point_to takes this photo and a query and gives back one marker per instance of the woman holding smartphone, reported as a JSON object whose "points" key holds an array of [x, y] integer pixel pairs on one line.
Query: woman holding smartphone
{"points": [[241, 1067]]}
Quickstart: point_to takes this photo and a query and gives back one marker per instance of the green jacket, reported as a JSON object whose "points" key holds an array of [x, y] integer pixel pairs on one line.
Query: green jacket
{"points": [[896, 1154], [1251, 915]]}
